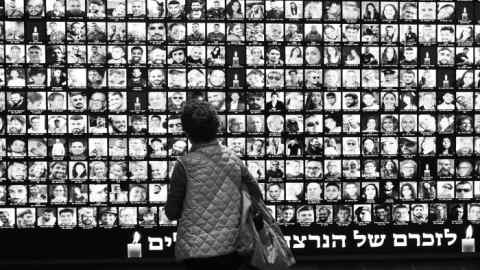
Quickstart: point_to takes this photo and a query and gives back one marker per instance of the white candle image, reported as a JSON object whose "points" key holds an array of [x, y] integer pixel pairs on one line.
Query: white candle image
{"points": [[236, 82], [446, 83], [468, 243], [134, 250]]}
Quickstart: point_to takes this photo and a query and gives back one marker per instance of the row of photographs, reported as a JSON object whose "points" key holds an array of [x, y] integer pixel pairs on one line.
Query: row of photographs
{"points": [[460, 11], [164, 105], [272, 170], [80, 78], [388, 125], [303, 215], [17, 148], [198, 56], [311, 192], [77, 32]]}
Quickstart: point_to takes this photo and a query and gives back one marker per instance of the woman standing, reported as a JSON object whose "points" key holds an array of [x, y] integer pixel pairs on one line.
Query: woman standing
{"points": [[205, 194]]}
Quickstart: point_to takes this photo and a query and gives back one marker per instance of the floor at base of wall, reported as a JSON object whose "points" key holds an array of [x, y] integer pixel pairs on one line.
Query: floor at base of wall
{"points": [[360, 265]]}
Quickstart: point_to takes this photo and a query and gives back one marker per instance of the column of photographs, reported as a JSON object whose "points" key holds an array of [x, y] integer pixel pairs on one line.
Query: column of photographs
{"points": [[346, 112]]}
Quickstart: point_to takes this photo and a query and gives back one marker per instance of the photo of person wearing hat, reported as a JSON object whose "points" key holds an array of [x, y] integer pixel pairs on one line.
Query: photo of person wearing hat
{"points": [[96, 9], [176, 56], [108, 216], [175, 9], [176, 78]]}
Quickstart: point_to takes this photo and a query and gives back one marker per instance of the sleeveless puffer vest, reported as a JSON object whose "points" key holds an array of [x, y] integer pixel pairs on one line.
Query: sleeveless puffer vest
{"points": [[210, 218]]}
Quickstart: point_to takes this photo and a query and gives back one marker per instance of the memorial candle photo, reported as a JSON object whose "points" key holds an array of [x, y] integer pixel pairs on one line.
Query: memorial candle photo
{"points": [[134, 249], [468, 243]]}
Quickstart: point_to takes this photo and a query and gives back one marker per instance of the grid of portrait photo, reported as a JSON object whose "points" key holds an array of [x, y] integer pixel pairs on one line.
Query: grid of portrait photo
{"points": [[345, 112]]}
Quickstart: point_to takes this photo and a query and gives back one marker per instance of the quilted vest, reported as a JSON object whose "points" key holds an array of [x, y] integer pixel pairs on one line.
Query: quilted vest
{"points": [[210, 218]]}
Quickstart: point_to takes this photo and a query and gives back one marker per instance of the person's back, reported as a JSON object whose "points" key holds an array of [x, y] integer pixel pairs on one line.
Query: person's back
{"points": [[208, 225], [205, 194]]}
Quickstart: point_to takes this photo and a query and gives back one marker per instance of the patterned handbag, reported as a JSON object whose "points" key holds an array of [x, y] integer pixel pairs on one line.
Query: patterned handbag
{"points": [[262, 244], [271, 251]]}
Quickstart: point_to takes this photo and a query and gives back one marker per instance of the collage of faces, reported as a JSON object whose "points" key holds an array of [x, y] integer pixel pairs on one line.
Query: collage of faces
{"points": [[345, 112]]}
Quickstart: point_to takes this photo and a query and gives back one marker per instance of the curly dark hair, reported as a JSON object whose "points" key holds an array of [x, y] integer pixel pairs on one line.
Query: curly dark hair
{"points": [[200, 121]]}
